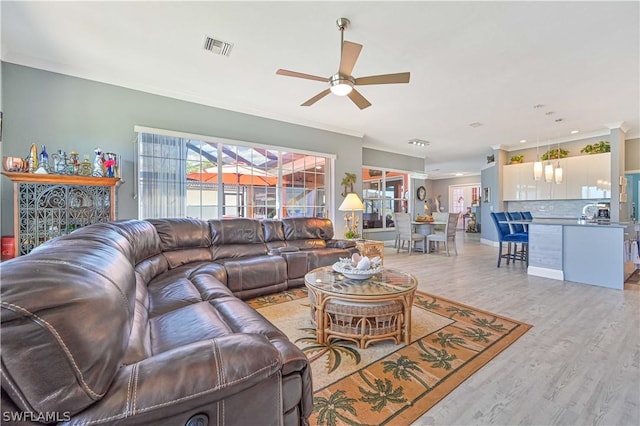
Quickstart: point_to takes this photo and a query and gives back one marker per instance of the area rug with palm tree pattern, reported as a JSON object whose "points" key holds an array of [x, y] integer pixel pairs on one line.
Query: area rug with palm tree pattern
{"points": [[388, 383]]}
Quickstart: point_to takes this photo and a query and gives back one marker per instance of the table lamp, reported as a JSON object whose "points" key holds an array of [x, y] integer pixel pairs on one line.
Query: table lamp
{"points": [[352, 203]]}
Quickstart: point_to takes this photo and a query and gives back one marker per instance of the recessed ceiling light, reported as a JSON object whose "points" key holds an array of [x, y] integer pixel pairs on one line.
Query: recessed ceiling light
{"points": [[418, 142], [475, 124], [549, 113], [559, 120], [536, 106], [573, 132], [523, 140]]}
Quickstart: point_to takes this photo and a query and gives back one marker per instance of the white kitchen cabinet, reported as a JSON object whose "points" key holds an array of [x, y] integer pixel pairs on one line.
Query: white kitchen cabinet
{"points": [[599, 175], [584, 177], [510, 181], [576, 177], [518, 183]]}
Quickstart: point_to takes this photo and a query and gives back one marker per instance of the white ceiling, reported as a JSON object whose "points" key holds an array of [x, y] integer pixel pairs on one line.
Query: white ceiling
{"points": [[486, 62]]}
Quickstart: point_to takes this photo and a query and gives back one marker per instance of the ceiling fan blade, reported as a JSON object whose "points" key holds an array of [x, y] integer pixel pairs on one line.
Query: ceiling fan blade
{"points": [[358, 99], [301, 75], [316, 98], [350, 53], [402, 77]]}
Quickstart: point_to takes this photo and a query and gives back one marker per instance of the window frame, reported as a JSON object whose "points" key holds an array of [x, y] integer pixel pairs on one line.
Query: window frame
{"points": [[406, 196], [324, 205]]}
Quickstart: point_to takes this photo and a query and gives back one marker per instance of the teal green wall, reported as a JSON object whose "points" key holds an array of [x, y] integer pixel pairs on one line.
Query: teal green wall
{"points": [[69, 113]]}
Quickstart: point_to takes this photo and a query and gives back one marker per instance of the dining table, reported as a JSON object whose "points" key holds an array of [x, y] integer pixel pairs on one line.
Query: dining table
{"points": [[426, 228]]}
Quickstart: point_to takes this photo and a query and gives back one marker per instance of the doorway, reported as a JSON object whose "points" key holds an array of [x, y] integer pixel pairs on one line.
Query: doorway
{"points": [[462, 199]]}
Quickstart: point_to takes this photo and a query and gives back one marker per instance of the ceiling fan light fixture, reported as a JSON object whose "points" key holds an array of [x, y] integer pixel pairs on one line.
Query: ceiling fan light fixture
{"points": [[341, 85]]}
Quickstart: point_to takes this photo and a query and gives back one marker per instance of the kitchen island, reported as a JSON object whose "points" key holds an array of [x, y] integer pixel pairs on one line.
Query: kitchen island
{"points": [[571, 250]]}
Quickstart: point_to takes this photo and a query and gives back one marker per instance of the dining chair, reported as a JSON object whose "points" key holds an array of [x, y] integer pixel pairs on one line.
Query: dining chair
{"points": [[506, 236], [449, 234], [439, 217], [404, 232], [527, 215]]}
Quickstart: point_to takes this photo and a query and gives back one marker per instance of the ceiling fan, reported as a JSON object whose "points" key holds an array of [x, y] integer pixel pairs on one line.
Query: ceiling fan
{"points": [[341, 83]]}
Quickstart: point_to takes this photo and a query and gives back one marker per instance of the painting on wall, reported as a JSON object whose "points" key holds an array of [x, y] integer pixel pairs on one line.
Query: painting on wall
{"points": [[486, 195]]}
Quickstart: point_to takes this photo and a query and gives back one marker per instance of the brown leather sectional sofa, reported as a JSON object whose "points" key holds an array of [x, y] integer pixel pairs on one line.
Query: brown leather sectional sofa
{"points": [[142, 322]]}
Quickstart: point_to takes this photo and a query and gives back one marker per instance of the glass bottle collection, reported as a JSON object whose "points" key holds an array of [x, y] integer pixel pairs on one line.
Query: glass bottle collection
{"points": [[105, 164]]}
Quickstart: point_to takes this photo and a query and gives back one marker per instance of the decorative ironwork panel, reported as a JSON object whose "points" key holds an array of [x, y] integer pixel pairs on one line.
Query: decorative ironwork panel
{"points": [[49, 210]]}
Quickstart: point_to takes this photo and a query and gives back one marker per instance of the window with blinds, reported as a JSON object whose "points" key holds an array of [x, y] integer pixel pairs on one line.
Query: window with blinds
{"points": [[185, 176]]}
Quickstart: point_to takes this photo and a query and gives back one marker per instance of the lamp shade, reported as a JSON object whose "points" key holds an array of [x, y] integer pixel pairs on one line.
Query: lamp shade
{"points": [[351, 203], [557, 175], [537, 170], [548, 173]]}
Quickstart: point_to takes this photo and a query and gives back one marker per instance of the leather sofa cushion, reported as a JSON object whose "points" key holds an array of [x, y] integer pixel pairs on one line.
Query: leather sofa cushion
{"points": [[80, 313], [182, 233], [273, 230], [181, 257], [254, 272], [307, 228], [142, 236], [186, 285], [236, 231], [308, 244], [151, 267], [192, 323], [168, 388], [236, 251]]}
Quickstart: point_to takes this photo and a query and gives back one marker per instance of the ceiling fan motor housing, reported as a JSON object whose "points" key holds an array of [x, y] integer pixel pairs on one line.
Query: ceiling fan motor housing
{"points": [[341, 84]]}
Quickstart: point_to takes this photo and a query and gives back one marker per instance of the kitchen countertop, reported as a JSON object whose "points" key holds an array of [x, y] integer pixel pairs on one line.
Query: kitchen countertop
{"points": [[574, 222]]}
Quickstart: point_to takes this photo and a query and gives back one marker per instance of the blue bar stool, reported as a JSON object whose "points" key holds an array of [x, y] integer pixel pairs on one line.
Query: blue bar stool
{"points": [[505, 235]]}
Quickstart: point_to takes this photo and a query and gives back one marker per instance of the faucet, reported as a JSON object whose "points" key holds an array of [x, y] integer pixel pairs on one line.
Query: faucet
{"points": [[588, 210]]}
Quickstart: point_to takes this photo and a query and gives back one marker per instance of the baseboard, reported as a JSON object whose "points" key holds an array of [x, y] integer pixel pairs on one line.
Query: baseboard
{"points": [[555, 274], [489, 242]]}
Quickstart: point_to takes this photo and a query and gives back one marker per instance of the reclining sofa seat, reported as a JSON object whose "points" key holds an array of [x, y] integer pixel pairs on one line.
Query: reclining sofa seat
{"points": [[306, 243], [137, 322]]}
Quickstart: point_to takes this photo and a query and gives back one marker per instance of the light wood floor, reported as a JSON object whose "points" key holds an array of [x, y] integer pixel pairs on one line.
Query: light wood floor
{"points": [[578, 365]]}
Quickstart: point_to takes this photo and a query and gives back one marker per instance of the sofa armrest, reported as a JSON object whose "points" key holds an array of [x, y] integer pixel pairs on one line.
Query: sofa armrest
{"points": [[188, 377], [343, 244], [282, 250]]}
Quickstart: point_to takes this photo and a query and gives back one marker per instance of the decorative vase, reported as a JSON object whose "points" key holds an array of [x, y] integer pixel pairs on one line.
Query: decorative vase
{"points": [[33, 158], [44, 159], [98, 163]]}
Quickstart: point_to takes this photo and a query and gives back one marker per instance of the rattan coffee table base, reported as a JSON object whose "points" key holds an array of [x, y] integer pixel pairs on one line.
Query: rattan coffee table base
{"points": [[361, 322], [367, 311]]}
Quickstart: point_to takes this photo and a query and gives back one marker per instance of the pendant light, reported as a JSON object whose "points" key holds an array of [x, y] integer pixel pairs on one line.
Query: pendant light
{"points": [[548, 168], [548, 172], [557, 173], [537, 165]]}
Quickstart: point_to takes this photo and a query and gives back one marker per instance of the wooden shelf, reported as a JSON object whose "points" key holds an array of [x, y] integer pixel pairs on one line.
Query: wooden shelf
{"points": [[61, 179]]}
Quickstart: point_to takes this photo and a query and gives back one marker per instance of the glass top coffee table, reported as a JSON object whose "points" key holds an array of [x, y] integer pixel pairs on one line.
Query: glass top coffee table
{"points": [[362, 311]]}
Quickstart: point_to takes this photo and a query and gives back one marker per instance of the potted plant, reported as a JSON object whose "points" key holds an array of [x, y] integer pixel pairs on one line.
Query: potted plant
{"points": [[554, 153], [517, 159], [596, 148]]}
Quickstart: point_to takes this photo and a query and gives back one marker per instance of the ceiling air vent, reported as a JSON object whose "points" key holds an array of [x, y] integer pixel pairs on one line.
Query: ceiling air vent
{"points": [[218, 47]]}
